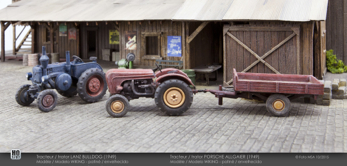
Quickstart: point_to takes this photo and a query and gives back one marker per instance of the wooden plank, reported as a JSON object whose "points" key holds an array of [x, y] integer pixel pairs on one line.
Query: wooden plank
{"points": [[282, 54], [239, 53], [197, 31], [296, 30], [247, 55], [339, 31], [253, 58], [260, 50], [307, 47], [267, 47], [260, 28]]}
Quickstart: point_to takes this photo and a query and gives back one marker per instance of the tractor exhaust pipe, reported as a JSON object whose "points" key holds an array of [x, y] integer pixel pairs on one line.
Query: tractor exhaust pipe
{"points": [[68, 66]]}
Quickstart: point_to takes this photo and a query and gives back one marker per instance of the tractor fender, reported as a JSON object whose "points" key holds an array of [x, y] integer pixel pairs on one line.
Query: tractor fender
{"points": [[178, 76], [78, 69]]}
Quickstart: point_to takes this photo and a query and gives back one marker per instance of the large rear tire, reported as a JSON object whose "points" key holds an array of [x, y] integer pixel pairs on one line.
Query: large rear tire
{"points": [[22, 97], [117, 106], [91, 86], [278, 105], [174, 97]]}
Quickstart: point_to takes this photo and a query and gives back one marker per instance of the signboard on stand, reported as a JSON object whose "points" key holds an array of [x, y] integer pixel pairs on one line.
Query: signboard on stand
{"points": [[174, 46]]}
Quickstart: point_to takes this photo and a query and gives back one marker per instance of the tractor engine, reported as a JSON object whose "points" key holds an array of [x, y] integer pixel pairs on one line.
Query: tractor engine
{"points": [[138, 88]]}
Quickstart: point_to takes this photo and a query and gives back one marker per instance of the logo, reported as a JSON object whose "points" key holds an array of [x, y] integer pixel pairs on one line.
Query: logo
{"points": [[16, 154]]}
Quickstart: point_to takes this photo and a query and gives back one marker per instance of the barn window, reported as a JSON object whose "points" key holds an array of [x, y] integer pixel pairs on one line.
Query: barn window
{"points": [[151, 47]]}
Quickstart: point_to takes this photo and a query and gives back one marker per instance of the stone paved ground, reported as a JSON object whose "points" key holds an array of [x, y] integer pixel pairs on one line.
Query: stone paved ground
{"points": [[237, 126]]}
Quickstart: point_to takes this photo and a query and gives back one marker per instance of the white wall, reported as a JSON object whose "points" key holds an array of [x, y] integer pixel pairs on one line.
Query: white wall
{"points": [[9, 30]]}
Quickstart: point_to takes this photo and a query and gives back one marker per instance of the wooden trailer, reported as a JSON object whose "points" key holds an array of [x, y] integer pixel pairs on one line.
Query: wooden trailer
{"points": [[276, 89]]}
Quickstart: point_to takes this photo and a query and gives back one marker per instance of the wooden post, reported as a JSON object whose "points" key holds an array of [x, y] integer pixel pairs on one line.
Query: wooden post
{"points": [[2, 42], [187, 47], [51, 37], [3, 29], [14, 40], [33, 39], [78, 42]]}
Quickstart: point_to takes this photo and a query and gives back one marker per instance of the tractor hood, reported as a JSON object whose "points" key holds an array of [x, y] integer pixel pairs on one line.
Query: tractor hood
{"points": [[116, 77]]}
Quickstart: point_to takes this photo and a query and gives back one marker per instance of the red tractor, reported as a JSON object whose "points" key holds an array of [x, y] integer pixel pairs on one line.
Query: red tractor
{"points": [[171, 89]]}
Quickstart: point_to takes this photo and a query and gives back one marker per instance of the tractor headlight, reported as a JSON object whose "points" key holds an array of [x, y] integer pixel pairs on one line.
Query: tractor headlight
{"points": [[29, 76], [44, 78]]}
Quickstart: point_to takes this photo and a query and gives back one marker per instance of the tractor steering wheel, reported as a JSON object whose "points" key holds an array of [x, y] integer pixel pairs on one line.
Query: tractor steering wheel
{"points": [[77, 59], [158, 67]]}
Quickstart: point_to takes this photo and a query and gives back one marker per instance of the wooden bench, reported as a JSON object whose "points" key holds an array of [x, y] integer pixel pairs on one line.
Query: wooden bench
{"points": [[169, 63]]}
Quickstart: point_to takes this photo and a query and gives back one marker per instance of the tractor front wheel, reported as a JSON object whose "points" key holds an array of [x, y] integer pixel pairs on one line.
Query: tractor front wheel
{"points": [[23, 97], [91, 86], [47, 100], [117, 105]]}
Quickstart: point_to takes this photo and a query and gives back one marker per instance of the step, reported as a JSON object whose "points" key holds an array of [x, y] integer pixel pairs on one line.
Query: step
{"points": [[26, 45]]}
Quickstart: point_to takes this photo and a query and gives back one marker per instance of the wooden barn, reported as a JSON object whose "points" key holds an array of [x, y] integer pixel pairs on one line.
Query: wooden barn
{"points": [[262, 36]]}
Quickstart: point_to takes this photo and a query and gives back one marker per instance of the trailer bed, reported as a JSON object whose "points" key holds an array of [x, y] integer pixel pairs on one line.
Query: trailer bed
{"points": [[277, 83]]}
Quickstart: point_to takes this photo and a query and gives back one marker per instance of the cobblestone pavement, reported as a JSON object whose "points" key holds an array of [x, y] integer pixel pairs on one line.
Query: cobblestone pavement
{"points": [[237, 126]]}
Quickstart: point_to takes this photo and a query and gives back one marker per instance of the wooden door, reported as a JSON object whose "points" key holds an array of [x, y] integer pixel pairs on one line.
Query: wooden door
{"points": [[261, 49]]}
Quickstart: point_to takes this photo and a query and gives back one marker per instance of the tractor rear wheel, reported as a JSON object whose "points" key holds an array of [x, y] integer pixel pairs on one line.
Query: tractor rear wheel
{"points": [[22, 97], [47, 100], [91, 86], [174, 97]]}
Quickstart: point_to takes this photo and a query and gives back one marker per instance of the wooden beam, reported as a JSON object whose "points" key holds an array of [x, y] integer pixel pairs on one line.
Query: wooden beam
{"points": [[3, 41], [187, 47], [14, 40], [51, 36], [197, 31], [33, 39], [115, 25]]}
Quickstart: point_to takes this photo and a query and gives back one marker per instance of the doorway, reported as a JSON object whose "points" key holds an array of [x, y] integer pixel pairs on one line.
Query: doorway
{"points": [[91, 43]]}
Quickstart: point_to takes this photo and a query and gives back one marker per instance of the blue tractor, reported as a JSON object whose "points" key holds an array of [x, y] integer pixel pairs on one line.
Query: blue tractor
{"points": [[68, 78]]}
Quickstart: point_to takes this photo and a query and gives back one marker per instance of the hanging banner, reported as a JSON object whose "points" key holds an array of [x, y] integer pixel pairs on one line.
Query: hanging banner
{"points": [[130, 40], [62, 30], [72, 34], [174, 48], [114, 37]]}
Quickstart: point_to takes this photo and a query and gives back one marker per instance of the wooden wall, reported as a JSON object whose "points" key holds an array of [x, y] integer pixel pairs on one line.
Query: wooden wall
{"points": [[336, 28], [294, 57], [61, 43]]}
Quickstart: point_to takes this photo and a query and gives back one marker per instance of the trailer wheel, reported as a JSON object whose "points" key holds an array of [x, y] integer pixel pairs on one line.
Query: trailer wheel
{"points": [[174, 97], [117, 106], [47, 100], [91, 86], [278, 105], [22, 97]]}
